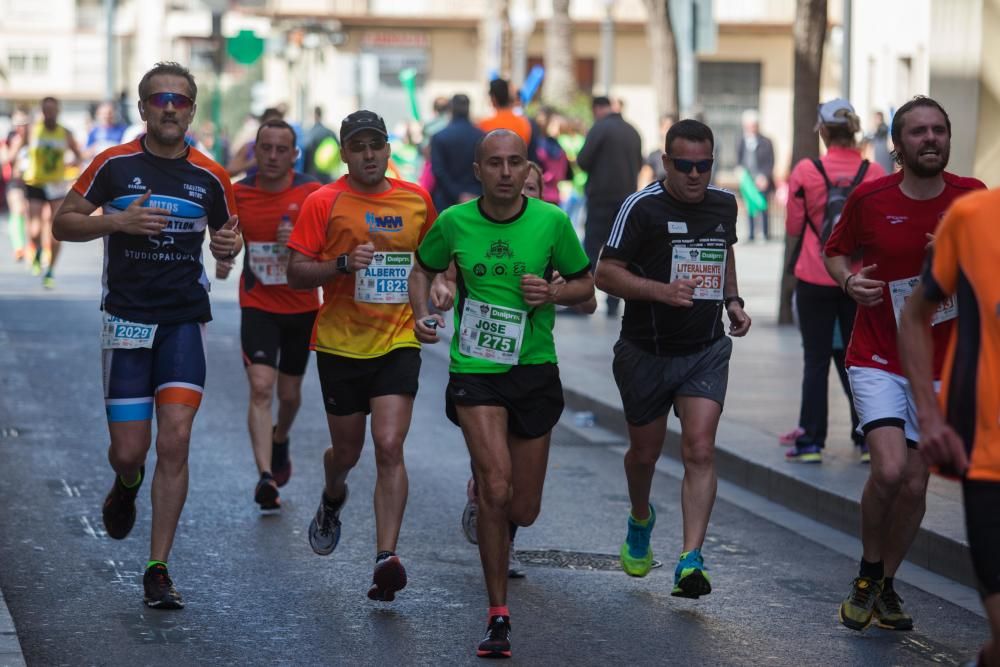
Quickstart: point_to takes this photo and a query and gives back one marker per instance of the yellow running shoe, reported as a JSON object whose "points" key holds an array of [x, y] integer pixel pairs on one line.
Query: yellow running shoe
{"points": [[857, 610]]}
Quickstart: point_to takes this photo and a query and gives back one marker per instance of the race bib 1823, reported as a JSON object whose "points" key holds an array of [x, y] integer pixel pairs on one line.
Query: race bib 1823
{"points": [[385, 279]]}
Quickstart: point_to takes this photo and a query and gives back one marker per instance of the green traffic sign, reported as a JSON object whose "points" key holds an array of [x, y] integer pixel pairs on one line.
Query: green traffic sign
{"points": [[245, 48]]}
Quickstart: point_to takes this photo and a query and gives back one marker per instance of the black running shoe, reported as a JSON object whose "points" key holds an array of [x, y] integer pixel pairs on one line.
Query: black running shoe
{"points": [[324, 530], [281, 463], [496, 643], [159, 589], [389, 577], [266, 494], [119, 507]]}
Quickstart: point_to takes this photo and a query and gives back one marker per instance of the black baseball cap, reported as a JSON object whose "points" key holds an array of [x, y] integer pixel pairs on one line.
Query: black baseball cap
{"points": [[360, 121]]}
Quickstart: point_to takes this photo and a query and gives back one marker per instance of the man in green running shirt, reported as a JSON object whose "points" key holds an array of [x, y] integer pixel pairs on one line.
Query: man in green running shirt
{"points": [[504, 389]]}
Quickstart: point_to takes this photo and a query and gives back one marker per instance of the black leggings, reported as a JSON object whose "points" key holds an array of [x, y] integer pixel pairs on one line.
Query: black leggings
{"points": [[820, 307], [982, 523]]}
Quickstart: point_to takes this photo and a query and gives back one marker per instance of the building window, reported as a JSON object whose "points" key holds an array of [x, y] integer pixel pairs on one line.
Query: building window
{"points": [[725, 90], [35, 62]]}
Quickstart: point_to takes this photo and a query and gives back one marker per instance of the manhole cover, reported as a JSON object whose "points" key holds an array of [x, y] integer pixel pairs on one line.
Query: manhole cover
{"points": [[573, 560]]}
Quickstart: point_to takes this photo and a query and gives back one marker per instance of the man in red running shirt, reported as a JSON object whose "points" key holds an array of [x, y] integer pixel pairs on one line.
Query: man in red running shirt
{"points": [[889, 222], [276, 321]]}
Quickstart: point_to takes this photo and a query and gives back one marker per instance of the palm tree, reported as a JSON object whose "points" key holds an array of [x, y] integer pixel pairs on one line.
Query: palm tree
{"points": [[660, 34], [560, 80], [809, 33]]}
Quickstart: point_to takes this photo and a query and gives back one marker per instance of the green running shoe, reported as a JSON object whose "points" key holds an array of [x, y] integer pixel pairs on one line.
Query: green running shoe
{"points": [[856, 611], [690, 580], [636, 556]]}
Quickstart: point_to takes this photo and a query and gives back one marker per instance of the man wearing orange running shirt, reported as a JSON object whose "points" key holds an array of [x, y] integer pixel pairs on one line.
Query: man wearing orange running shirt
{"points": [[356, 237], [276, 321], [961, 432]]}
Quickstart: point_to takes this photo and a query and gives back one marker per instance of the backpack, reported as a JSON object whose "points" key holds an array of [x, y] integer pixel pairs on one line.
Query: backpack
{"points": [[836, 197]]}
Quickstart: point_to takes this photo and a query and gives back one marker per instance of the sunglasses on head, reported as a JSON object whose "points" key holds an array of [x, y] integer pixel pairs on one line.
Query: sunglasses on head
{"points": [[358, 146], [685, 166], [161, 100]]}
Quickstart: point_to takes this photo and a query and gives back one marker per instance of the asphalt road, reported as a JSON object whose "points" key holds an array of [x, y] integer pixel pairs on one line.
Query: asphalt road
{"points": [[256, 593]]}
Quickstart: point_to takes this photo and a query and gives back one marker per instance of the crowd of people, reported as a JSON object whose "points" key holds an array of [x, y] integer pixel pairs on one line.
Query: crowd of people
{"points": [[488, 234]]}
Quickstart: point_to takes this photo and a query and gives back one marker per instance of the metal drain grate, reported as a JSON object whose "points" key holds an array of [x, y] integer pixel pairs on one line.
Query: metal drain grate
{"points": [[573, 560]]}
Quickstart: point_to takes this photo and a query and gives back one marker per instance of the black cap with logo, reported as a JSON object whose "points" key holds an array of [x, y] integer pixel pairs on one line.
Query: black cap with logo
{"points": [[359, 121]]}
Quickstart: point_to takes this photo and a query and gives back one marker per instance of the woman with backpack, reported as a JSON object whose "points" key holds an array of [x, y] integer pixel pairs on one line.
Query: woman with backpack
{"points": [[819, 189]]}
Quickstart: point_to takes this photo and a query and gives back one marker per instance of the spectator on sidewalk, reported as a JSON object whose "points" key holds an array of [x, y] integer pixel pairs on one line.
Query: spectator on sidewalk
{"points": [[818, 190], [877, 144], [652, 168], [551, 157], [315, 136], [453, 150], [504, 116], [611, 156], [755, 153]]}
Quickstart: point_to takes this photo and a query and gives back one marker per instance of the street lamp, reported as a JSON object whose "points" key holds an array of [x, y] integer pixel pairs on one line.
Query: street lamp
{"points": [[607, 47], [522, 24]]}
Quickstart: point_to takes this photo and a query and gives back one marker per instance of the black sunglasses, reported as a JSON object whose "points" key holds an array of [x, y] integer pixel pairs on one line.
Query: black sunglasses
{"points": [[685, 166], [161, 100], [360, 146]]}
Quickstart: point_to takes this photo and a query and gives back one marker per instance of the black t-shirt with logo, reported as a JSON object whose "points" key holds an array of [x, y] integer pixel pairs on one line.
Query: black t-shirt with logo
{"points": [[655, 233]]}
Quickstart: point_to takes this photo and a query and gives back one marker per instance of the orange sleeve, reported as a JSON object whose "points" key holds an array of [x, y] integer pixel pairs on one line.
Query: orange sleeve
{"points": [[310, 232], [942, 279]]}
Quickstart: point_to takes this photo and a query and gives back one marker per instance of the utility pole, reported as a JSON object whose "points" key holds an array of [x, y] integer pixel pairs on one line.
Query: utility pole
{"points": [[110, 89], [845, 77]]}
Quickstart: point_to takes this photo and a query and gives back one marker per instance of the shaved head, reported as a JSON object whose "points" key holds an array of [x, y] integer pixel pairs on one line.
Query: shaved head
{"points": [[492, 138]]}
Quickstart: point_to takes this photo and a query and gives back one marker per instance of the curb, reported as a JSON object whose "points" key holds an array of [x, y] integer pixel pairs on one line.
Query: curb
{"points": [[933, 551], [10, 647]]}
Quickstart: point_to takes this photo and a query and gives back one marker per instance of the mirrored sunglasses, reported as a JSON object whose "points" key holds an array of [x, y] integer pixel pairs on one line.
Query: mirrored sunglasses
{"points": [[161, 100]]}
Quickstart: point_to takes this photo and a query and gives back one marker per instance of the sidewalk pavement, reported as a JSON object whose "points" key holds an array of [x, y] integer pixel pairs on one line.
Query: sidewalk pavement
{"points": [[763, 401], [765, 378]]}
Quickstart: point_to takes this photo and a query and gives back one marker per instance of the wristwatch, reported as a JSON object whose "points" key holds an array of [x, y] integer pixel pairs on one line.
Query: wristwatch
{"points": [[729, 299], [342, 264]]}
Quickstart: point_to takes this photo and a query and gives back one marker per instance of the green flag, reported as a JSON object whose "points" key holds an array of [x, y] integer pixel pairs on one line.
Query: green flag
{"points": [[752, 197]]}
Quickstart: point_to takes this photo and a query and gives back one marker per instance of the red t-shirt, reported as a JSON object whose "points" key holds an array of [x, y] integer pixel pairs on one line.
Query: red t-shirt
{"points": [[262, 283], [890, 230]]}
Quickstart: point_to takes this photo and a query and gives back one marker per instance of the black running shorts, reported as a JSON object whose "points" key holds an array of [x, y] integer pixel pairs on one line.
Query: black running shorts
{"points": [[278, 340], [531, 394], [648, 384], [982, 522], [349, 384]]}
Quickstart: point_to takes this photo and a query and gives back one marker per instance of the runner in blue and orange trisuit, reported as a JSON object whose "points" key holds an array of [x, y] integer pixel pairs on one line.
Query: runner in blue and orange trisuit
{"points": [[158, 196], [277, 321]]}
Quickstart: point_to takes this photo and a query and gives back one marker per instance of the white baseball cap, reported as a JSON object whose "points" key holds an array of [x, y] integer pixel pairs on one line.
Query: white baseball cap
{"points": [[834, 112]]}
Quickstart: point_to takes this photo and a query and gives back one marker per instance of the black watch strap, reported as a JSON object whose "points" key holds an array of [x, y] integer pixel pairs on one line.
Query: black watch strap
{"points": [[342, 263], [729, 299]]}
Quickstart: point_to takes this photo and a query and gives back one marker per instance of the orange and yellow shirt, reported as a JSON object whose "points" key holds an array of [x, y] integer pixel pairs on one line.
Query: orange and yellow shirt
{"points": [[365, 314]]}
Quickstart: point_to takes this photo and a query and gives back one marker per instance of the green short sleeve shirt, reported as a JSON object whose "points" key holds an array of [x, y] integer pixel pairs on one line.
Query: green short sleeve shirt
{"points": [[494, 328]]}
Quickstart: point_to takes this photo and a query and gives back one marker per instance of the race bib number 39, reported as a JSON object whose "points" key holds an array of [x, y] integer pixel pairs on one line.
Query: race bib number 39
{"points": [[707, 265], [268, 261], [491, 332], [119, 334], [900, 291], [385, 279]]}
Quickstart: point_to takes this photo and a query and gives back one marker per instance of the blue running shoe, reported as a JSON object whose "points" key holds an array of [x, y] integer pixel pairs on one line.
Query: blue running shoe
{"points": [[636, 555], [690, 580]]}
